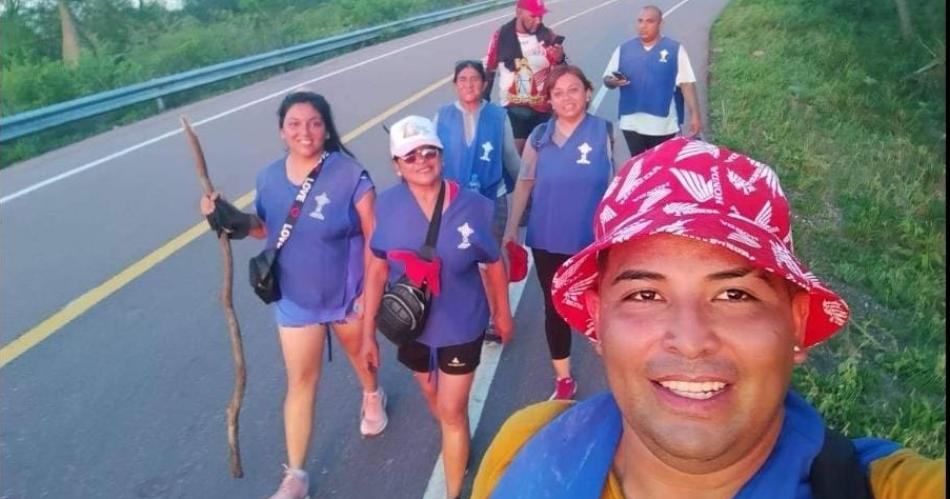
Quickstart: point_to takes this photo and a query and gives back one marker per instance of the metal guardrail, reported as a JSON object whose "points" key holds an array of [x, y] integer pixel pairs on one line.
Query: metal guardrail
{"points": [[44, 118]]}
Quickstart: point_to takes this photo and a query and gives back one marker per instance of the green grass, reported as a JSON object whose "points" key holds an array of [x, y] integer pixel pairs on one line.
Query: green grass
{"points": [[829, 94], [185, 44]]}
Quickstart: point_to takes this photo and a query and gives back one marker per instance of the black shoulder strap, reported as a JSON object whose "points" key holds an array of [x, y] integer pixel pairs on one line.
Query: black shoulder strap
{"points": [[299, 200], [432, 237], [836, 472]]}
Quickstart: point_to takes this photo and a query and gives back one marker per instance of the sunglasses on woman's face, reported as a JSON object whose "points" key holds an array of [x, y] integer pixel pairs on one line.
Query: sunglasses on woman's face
{"points": [[421, 154]]}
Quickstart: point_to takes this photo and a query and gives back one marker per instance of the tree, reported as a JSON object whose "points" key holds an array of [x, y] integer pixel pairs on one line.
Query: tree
{"points": [[67, 24]]}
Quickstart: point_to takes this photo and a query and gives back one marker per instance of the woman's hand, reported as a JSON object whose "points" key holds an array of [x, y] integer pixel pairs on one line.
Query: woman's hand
{"points": [[207, 203], [504, 324], [223, 217], [369, 354]]}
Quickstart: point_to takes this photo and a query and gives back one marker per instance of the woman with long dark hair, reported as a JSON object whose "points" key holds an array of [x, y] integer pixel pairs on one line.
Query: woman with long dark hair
{"points": [[320, 267]]}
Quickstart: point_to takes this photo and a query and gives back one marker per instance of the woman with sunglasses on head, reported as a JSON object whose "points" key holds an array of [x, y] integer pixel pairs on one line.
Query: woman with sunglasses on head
{"points": [[479, 147], [444, 357], [566, 166], [320, 268]]}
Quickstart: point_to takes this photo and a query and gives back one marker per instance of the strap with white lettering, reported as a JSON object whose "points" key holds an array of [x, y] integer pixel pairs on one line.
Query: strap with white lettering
{"points": [[299, 200]]}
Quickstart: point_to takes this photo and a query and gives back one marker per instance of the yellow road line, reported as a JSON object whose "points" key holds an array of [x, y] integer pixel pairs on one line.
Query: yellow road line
{"points": [[91, 298]]}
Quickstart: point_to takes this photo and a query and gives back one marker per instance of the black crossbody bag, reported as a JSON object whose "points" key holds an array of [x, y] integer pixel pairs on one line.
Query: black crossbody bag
{"points": [[263, 267], [405, 307]]}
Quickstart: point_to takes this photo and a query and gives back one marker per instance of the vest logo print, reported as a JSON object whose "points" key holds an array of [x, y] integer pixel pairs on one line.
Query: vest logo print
{"points": [[466, 231], [584, 149], [322, 200], [455, 362], [486, 151], [663, 55]]}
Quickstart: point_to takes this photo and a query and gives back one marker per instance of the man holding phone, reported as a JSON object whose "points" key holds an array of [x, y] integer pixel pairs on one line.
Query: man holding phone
{"points": [[522, 52], [655, 80]]}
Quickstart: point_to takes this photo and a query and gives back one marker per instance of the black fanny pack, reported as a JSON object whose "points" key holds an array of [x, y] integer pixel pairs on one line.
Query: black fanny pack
{"points": [[263, 273], [405, 307], [263, 267]]}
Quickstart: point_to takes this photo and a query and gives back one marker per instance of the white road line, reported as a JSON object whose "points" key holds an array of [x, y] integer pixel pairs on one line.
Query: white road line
{"points": [[279, 93], [598, 99], [491, 353]]}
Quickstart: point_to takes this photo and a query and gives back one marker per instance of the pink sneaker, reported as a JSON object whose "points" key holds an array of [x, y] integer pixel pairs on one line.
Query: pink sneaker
{"points": [[296, 485], [373, 418], [564, 389]]}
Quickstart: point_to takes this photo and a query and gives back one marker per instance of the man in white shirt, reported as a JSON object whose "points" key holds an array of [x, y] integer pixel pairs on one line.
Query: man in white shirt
{"points": [[654, 85]]}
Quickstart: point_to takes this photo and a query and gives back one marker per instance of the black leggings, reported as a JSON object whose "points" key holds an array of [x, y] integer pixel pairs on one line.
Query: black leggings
{"points": [[638, 143], [556, 330]]}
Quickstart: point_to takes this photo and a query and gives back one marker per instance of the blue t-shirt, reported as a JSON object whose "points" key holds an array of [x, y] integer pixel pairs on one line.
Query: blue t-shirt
{"points": [[320, 268], [459, 314]]}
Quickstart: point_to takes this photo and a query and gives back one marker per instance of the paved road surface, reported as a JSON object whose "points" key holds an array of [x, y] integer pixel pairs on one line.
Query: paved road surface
{"points": [[119, 393]]}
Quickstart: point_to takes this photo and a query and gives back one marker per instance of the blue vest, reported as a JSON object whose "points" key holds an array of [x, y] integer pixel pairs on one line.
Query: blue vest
{"points": [[459, 314], [652, 75], [569, 181], [478, 166], [322, 263], [571, 457]]}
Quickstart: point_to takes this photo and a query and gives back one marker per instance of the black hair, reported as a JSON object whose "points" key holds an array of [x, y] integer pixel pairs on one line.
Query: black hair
{"points": [[333, 142], [476, 65]]}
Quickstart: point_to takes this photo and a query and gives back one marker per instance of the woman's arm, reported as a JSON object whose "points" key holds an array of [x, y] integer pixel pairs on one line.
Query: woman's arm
{"points": [[498, 288], [377, 271], [365, 209]]}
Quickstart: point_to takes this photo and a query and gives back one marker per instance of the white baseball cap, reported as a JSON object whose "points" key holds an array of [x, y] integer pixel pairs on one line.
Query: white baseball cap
{"points": [[411, 132]]}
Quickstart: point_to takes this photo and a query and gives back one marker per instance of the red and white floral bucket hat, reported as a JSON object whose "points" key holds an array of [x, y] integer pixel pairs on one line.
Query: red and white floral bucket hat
{"points": [[702, 191]]}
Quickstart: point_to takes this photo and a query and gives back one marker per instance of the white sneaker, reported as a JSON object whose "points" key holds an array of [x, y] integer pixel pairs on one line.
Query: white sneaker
{"points": [[373, 418], [296, 485]]}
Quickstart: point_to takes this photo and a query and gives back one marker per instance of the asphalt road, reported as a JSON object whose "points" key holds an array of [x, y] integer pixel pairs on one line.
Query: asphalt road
{"points": [[120, 393]]}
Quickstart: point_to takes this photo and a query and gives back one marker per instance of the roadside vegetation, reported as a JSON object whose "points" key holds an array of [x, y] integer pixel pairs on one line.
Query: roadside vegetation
{"points": [[114, 43], [846, 100]]}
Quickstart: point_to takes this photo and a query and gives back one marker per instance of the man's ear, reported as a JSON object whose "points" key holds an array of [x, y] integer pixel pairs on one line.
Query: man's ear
{"points": [[592, 304], [801, 301]]}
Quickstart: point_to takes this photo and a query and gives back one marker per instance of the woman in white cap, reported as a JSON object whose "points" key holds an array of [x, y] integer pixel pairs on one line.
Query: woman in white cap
{"points": [[444, 357], [319, 269], [565, 169]]}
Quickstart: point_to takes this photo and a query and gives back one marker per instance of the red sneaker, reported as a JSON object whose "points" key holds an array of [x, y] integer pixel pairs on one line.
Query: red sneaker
{"points": [[564, 389]]}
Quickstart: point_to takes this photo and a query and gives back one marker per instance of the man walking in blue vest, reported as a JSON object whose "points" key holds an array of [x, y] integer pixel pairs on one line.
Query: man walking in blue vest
{"points": [[655, 78]]}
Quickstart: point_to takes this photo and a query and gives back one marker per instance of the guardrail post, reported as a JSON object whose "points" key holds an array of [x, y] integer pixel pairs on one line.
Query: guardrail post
{"points": [[160, 103]]}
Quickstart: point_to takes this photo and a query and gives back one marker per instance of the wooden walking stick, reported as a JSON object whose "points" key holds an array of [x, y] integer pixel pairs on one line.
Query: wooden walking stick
{"points": [[237, 346]]}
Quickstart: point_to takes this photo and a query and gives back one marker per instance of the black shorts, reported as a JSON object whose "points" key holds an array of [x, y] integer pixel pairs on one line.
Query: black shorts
{"points": [[454, 359], [524, 119]]}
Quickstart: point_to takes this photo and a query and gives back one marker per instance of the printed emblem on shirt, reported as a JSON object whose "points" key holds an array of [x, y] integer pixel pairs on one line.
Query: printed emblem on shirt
{"points": [[663, 55], [322, 200], [466, 231], [455, 362], [584, 149], [486, 151]]}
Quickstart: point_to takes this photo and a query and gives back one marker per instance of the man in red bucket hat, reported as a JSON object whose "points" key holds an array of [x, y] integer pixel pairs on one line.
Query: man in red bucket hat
{"points": [[700, 310]]}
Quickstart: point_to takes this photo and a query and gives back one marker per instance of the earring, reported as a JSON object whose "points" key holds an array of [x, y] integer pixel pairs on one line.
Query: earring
{"points": [[797, 349]]}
